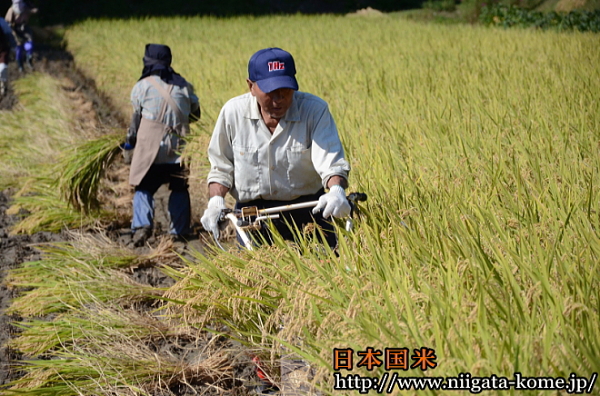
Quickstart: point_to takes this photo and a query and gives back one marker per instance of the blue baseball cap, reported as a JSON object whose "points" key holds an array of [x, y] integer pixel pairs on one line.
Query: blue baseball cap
{"points": [[271, 69]]}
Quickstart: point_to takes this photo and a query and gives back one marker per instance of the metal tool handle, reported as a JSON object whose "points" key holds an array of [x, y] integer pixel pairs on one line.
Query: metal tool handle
{"points": [[234, 216]]}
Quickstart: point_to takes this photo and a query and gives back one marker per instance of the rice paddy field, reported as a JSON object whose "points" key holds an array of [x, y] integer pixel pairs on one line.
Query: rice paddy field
{"points": [[478, 246]]}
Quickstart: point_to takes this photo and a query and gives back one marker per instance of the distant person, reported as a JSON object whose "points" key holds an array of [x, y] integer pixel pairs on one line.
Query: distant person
{"points": [[6, 40], [164, 104], [275, 146], [17, 17]]}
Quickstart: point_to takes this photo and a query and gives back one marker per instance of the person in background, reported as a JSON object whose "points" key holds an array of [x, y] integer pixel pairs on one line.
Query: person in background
{"points": [[164, 104], [6, 44], [275, 146], [17, 17]]}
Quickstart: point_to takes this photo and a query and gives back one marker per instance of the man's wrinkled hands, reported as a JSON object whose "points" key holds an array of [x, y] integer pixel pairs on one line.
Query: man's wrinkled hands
{"points": [[333, 203], [212, 214]]}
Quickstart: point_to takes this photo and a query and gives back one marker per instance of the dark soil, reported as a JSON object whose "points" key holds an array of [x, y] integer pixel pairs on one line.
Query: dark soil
{"points": [[13, 252], [16, 249]]}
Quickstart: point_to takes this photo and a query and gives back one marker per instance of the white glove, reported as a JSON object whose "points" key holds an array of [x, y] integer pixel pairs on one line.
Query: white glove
{"points": [[334, 202], [210, 218], [127, 156]]}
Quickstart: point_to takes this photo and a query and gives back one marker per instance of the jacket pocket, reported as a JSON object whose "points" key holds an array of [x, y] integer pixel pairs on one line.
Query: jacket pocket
{"points": [[246, 172], [301, 172]]}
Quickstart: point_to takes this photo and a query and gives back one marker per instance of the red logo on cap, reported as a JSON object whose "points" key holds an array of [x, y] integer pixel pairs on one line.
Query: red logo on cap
{"points": [[273, 66]]}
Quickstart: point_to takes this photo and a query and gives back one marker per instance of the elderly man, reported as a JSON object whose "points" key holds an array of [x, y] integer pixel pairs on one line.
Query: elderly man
{"points": [[275, 146], [164, 104]]}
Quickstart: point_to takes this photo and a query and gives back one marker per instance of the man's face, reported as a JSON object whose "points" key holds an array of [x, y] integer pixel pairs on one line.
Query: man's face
{"points": [[274, 104]]}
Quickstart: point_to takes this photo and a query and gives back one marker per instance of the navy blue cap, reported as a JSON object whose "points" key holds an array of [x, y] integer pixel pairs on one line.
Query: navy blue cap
{"points": [[271, 69]]}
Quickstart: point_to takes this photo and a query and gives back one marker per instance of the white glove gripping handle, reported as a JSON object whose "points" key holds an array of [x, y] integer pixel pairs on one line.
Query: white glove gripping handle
{"points": [[210, 219], [216, 202], [334, 203], [337, 189]]}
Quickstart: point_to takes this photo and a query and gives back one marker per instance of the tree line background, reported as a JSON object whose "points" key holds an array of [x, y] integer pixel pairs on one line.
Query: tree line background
{"points": [[54, 12]]}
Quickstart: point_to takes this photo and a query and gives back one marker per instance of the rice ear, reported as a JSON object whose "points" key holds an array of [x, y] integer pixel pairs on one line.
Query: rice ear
{"points": [[82, 170]]}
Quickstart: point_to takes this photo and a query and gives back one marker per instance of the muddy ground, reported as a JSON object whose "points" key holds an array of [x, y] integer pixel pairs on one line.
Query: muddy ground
{"points": [[16, 249]]}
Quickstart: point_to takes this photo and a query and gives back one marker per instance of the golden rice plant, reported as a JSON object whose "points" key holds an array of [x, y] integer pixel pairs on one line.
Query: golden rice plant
{"points": [[105, 349], [478, 150], [117, 366], [54, 186], [43, 337], [35, 132], [41, 208], [85, 270], [66, 195], [82, 169]]}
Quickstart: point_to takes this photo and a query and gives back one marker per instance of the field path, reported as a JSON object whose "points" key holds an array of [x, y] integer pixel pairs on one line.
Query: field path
{"points": [[17, 249], [93, 111]]}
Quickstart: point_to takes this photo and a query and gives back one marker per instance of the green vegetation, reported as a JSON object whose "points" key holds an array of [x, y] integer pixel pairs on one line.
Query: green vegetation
{"points": [[511, 16], [478, 150], [70, 11], [581, 15]]}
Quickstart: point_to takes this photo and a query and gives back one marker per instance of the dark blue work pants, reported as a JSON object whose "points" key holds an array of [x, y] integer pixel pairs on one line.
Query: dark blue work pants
{"points": [[179, 199]]}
